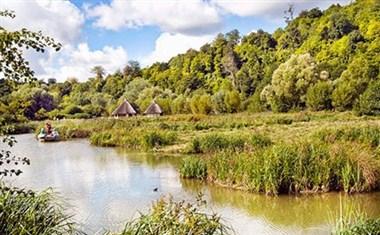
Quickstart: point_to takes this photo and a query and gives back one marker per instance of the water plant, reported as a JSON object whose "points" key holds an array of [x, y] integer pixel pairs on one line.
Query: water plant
{"points": [[28, 212], [170, 217]]}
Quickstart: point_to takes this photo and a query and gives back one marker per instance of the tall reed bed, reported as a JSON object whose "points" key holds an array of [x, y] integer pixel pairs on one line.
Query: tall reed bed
{"points": [[26, 212], [295, 167]]}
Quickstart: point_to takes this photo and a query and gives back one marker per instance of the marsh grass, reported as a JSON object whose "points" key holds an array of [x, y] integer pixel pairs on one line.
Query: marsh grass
{"points": [[170, 217], [353, 221], [299, 167], [193, 167], [27, 212]]}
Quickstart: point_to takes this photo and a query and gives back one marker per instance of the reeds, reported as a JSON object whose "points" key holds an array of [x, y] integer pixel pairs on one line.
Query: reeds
{"points": [[298, 167], [27, 212], [169, 217]]}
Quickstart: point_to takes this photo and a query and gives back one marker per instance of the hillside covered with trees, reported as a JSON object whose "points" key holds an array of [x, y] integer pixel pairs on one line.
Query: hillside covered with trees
{"points": [[322, 60]]}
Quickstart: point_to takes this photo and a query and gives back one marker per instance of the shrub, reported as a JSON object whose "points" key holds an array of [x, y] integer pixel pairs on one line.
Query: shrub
{"points": [[170, 217]]}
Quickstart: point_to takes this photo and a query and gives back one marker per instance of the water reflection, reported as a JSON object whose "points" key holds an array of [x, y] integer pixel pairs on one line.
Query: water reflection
{"points": [[107, 186]]}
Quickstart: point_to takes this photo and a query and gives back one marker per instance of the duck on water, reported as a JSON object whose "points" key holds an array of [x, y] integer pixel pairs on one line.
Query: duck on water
{"points": [[48, 133]]}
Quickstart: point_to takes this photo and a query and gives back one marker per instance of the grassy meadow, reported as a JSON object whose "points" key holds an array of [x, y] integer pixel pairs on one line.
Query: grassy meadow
{"points": [[302, 152]]}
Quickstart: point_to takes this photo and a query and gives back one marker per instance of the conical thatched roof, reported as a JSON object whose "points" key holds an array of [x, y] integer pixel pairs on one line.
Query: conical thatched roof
{"points": [[124, 109], [153, 109]]}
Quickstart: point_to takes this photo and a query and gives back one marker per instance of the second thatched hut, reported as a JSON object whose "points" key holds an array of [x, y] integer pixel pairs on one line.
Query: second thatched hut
{"points": [[153, 110], [125, 109]]}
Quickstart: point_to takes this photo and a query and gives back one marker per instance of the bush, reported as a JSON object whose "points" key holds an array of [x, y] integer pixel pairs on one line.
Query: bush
{"points": [[26, 212], [193, 167], [318, 96], [169, 217], [369, 101]]}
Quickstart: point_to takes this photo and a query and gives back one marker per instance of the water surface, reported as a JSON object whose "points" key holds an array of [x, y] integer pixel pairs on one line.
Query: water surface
{"points": [[108, 186]]}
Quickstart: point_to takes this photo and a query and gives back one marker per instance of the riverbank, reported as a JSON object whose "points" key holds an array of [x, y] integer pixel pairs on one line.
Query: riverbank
{"points": [[271, 153]]}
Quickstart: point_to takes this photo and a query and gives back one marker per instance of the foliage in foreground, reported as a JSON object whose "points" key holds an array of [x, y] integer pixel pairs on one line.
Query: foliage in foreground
{"points": [[353, 221], [26, 212], [170, 217]]}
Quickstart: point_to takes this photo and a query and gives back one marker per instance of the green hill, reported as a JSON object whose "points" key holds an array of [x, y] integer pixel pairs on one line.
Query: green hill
{"points": [[321, 60]]}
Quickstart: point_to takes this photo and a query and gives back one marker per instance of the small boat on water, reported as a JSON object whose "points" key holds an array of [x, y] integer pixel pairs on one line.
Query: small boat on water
{"points": [[48, 134], [53, 136]]}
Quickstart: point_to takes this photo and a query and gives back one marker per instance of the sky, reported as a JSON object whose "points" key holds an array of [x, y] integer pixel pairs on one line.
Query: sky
{"points": [[112, 32]]}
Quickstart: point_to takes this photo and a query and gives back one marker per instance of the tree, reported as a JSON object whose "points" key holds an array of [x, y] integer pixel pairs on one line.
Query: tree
{"points": [[132, 70], [318, 96], [14, 66], [99, 72], [369, 101], [290, 82], [12, 63], [351, 84]]}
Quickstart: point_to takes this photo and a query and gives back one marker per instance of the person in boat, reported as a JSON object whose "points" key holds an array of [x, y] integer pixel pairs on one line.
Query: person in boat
{"points": [[47, 130]]}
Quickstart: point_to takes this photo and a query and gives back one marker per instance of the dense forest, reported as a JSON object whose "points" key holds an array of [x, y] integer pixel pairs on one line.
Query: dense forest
{"points": [[322, 60]]}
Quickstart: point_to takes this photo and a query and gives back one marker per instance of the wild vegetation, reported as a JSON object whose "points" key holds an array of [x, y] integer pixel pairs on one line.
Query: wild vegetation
{"points": [[170, 217], [322, 60], [27, 212]]}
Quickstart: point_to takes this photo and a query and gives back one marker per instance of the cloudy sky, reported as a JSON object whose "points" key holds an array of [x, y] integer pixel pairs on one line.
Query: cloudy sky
{"points": [[111, 32]]}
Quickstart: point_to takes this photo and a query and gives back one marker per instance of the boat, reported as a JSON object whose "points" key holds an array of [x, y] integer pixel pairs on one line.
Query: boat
{"points": [[53, 136]]}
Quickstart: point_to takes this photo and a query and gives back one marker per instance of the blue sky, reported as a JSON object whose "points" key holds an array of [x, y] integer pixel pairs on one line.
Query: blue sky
{"points": [[111, 32]]}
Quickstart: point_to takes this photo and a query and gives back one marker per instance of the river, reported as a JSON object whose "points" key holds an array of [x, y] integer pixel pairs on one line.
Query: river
{"points": [[105, 187]]}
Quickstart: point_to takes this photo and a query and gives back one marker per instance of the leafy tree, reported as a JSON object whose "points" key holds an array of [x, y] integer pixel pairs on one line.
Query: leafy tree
{"points": [[12, 63], [290, 83], [13, 66], [318, 96], [98, 71], [369, 101], [132, 70], [351, 84]]}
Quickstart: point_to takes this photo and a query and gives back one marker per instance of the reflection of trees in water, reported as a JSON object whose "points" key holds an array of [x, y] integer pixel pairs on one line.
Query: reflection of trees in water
{"points": [[152, 160], [288, 210]]}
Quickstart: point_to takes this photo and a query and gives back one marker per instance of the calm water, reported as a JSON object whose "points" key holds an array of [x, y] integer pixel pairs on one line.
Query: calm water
{"points": [[107, 186]]}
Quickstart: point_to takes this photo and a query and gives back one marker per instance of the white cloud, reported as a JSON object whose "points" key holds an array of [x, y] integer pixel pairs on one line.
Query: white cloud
{"points": [[270, 8], [61, 20], [168, 45], [77, 62], [192, 17]]}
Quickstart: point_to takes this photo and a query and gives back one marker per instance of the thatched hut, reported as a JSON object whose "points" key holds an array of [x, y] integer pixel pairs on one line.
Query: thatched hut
{"points": [[153, 110], [124, 109]]}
